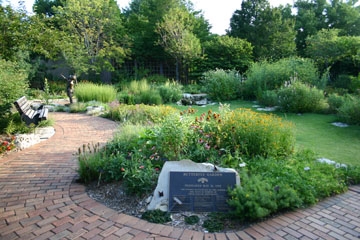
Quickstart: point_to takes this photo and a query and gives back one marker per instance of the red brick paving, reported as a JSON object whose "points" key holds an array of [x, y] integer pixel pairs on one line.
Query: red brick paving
{"points": [[40, 200]]}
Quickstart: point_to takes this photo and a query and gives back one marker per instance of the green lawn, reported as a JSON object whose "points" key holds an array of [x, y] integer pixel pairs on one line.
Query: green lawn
{"points": [[314, 132]]}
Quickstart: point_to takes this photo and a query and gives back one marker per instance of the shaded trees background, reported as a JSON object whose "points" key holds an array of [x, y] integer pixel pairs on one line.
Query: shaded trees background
{"points": [[101, 42]]}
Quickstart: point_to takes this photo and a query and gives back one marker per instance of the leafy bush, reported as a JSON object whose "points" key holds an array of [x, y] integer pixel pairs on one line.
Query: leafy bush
{"points": [[7, 145], [140, 92], [222, 85], [349, 112], [170, 92], [300, 98], [86, 92], [268, 98], [150, 97], [171, 135], [230, 135], [263, 76], [272, 185], [254, 200], [255, 134], [140, 113], [14, 84], [335, 101], [156, 216]]}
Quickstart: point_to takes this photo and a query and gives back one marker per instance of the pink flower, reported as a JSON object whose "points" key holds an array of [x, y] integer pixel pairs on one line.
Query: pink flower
{"points": [[141, 167]]}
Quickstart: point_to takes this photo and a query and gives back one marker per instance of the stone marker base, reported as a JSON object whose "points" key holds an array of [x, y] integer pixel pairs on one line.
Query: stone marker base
{"points": [[160, 198]]}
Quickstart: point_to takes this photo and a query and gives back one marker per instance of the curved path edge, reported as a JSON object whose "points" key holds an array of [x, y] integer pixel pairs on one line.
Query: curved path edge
{"points": [[39, 199]]}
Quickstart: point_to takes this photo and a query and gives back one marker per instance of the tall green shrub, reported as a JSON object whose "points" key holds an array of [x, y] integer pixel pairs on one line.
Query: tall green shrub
{"points": [[140, 92], [170, 92], [14, 84], [300, 98], [87, 91], [349, 112], [263, 76], [222, 85]]}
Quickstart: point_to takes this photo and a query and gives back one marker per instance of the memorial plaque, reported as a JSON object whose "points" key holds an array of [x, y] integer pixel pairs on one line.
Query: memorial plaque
{"points": [[200, 191]]}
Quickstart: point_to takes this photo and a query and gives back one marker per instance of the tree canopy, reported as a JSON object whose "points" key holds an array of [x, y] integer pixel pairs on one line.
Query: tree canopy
{"points": [[171, 38]]}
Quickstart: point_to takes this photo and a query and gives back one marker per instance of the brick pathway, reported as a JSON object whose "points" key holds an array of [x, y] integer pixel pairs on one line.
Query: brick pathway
{"points": [[39, 199]]}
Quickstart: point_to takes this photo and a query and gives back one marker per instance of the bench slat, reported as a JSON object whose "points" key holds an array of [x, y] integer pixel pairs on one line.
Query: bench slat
{"points": [[29, 115]]}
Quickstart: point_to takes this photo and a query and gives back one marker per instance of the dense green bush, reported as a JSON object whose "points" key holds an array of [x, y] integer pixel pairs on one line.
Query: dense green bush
{"points": [[349, 112], [139, 113], [86, 92], [222, 85], [14, 84], [170, 92], [140, 92], [272, 185], [268, 98], [263, 76], [300, 98], [149, 97], [335, 101], [227, 136]]}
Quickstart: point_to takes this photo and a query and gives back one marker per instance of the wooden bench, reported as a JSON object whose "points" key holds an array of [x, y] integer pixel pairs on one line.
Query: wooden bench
{"points": [[28, 114]]}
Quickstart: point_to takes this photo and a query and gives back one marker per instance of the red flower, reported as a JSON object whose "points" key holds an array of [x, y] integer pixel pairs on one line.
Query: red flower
{"points": [[5, 143]]}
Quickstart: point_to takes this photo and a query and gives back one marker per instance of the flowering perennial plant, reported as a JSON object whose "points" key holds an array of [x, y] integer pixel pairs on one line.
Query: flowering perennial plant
{"points": [[7, 146]]}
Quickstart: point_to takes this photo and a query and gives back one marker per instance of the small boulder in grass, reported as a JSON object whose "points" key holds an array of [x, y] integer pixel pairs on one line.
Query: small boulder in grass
{"points": [[340, 124]]}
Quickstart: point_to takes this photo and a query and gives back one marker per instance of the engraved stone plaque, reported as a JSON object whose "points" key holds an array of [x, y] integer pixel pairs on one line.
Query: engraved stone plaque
{"points": [[200, 191]]}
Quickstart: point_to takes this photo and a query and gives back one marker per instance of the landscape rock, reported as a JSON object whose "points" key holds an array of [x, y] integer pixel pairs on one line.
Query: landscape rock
{"points": [[161, 202]]}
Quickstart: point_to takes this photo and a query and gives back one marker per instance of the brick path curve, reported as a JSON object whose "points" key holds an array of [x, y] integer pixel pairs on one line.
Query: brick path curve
{"points": [[40, 200]]}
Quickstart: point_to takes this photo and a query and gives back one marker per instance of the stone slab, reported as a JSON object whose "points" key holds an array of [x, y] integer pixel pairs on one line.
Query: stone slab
{"points": [[160, 198]]}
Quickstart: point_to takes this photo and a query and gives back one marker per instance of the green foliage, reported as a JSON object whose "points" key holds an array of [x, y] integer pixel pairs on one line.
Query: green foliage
{"points": [[99, 41], [298, 97], [150, 97], [13, 82], [171, 136], [191, 220], [170, 92], [91, 162], [214, 223], [7, 145], [329, 49], [335, 101], [255, 134], [225, 52], [13, 124], [86, 92], [139, 175], [263, 76], [140, 92], [255, 199], [156, 216], [270, 30], [349, 112], [268, 98], [140, 113], [222, 85], [272, 185]]}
